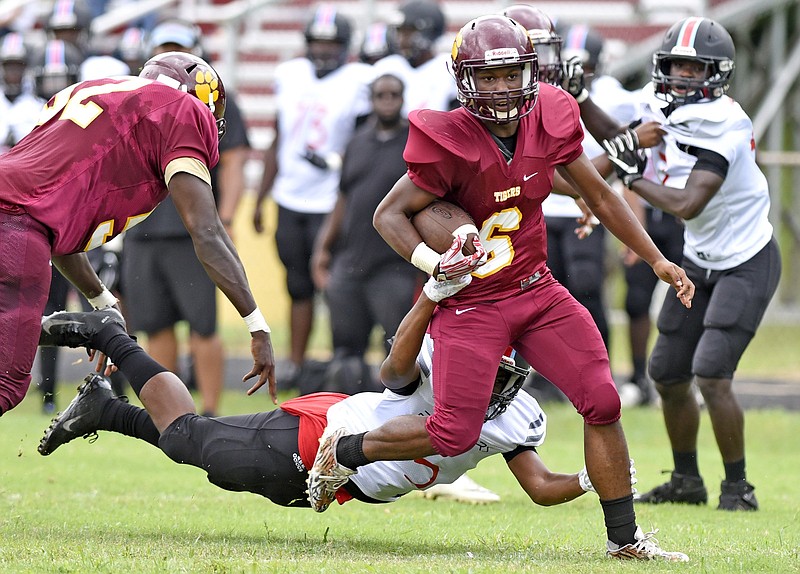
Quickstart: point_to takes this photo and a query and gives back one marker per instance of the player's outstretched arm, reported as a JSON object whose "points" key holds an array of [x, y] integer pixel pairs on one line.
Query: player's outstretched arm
{"points": [[544, 487], [195, 204], [616, 215]]}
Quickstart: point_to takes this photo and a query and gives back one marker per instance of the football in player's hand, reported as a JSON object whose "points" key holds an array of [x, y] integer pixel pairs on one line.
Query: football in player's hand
{"points": [[437, 222]]}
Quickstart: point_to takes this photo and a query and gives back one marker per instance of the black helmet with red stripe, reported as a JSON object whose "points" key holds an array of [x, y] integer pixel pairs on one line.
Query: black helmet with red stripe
{"points": [[701, 40]]}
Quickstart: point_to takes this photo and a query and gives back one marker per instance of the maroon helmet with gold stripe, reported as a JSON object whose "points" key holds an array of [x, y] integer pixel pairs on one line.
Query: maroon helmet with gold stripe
{"points": [[495, 42], [190, 74]]}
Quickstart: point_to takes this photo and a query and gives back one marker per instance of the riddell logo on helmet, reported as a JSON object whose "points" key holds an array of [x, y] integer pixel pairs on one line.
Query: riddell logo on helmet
{"points": [[502, 54]]}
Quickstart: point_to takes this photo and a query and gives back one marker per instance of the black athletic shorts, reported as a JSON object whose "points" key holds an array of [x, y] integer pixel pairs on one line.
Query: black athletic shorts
{"points": [[709, 339], [255, 453]]}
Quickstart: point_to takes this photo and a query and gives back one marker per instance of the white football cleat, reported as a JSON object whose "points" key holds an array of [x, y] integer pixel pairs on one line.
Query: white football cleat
{"points": [[327, 475], [464, 489], [645, 548]]}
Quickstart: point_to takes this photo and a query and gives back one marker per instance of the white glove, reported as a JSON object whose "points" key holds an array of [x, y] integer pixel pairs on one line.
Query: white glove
{"points": [[587, 486], [438, 290], [454, 264]]}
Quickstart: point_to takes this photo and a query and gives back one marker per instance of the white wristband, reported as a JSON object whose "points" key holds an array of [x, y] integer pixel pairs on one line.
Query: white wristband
{"points": [[103, 301], [255, 322], [425, 258], [580, 98]]}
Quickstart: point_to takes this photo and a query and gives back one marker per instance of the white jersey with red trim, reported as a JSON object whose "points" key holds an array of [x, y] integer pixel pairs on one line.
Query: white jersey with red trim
{"points": [[426, 86], [522, 424], [734, 225], [318, 114]]}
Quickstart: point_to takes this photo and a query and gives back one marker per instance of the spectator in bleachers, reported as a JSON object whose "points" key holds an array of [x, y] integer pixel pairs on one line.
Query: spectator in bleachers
{"points": [[163, 280], [319, 99]]}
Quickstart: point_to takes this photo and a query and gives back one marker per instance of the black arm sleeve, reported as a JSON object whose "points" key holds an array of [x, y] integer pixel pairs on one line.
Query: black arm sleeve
{"points": [[707, 160], [520, 449]]}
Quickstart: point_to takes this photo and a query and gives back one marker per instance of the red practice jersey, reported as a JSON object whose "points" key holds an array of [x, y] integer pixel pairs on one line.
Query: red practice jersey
{"points": [[453, 156], [95, 165]]}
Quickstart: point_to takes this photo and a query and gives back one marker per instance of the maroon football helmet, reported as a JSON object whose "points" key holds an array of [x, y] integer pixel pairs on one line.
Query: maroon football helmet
{"points": [[190, 74], [544, 37], [494, 42]]}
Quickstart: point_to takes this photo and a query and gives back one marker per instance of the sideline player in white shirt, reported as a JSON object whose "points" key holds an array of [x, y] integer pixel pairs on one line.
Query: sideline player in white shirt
{"points": [[268, 453], [705, 173], [319, 98], [420, 25]]}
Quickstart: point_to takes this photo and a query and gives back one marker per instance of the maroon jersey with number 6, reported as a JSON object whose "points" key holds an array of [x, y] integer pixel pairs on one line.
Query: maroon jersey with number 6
{"points": [[87, 193], [453, 156]]}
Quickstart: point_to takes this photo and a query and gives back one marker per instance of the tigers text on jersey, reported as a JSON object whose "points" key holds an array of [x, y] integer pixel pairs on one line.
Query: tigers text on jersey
{"points": [[318, 114], [734, 225], [95, 165], [426, 86], [453, 156], [522, 424]]}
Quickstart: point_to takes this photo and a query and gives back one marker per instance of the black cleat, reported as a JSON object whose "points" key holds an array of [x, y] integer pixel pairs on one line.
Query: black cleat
{"points": [[81, 417], [681, 488], [63, 329], [737, 495]]}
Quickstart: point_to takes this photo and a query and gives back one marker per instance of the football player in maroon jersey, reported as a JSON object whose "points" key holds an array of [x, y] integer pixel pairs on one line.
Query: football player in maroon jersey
{"points": [[104, 154], [497, 157]]}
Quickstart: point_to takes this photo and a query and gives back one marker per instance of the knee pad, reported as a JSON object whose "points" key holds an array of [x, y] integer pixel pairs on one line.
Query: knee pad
{"points": [[299, 285], [605, 407], [12, 395], [718, 353]]}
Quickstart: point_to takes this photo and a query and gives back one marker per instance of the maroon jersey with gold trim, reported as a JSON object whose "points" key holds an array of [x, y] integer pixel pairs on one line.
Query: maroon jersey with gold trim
{"points": [[453, 156], [95, 164]]}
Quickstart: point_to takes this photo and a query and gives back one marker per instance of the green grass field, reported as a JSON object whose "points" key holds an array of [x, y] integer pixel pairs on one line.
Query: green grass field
{"points": [[119, 505]]}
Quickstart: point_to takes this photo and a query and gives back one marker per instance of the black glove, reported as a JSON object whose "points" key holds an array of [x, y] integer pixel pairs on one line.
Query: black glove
{"points": [[572, 79], [315, 159], [629, 161]]}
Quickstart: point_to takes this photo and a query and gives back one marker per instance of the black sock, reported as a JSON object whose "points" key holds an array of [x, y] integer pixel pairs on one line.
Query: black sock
{"points": [[128, 356], [130, 420], [686, 463], [620, 520], [734, 471], [349, 451], [639, 369]]}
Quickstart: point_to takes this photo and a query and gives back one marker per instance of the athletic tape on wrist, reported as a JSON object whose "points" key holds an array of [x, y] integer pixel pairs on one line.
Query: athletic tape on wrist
{"points": [[580, 98], [255, 322], [425, 258], [104, 300]]}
